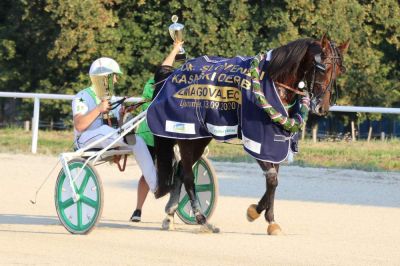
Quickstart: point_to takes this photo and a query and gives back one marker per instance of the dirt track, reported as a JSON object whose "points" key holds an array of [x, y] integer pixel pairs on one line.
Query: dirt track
{"points": [[330, 217]]}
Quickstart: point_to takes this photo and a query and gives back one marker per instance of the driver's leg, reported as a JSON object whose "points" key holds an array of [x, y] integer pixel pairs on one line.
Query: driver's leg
{"points": [[140, 150], [89, 136], [145, 162]]}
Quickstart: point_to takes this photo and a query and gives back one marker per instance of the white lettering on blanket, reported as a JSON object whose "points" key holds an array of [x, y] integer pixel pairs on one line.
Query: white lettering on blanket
{"points": [[251, 145], [222, 131], [179, 127]]}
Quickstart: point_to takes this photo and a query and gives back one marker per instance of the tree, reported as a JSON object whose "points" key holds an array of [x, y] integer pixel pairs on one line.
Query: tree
{"points": [[48, 45]]}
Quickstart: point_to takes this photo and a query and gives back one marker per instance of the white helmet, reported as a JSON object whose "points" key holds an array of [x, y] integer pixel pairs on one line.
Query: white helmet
{"points": [[101, 74], [104, 66]]}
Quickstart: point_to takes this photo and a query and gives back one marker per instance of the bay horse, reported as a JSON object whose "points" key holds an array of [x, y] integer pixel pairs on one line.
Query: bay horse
{"points": [[303, 73]]}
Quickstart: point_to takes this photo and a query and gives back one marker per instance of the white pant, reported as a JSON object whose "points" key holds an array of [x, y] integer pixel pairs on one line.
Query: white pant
{"points": [[142, 154]]}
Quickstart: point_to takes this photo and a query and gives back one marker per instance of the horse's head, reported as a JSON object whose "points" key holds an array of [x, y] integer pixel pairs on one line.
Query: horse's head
{"points": [[325, 64], [309, 65]]}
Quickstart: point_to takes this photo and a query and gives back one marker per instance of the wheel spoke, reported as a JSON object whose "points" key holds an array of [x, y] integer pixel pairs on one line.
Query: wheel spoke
{"points": [[84, 182], [79, 210], [89, 202], [203, 187], [67, 203], [183, 202], [198, 200]]}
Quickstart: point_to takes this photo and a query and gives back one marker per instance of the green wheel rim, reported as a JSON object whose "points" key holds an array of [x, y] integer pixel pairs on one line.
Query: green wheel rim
{"points": [[206, 192], [80, 216]]}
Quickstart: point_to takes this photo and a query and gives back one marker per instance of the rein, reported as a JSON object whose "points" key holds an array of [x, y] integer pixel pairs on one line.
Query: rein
{"points": [[302, 93], [117, 158]]}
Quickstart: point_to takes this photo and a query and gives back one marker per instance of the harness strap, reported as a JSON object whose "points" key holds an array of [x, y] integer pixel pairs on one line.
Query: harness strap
{"points": [[117, 160], [290, 88]]}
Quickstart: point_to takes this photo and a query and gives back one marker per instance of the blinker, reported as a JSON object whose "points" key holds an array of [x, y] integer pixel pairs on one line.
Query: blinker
{"points": [[318, 63]]}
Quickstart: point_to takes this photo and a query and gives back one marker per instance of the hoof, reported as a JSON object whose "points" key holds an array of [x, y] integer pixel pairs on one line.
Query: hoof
{"points": [[274, 230], [208, 228], [168, 223], [200, 218], [252, 213]]}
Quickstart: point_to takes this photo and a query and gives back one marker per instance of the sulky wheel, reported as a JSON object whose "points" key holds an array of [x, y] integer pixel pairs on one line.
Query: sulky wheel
{"points": [[206, 188], [81, 215]]}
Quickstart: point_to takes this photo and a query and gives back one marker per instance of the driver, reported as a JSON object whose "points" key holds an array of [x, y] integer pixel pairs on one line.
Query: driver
{"points": [[91, 105]]}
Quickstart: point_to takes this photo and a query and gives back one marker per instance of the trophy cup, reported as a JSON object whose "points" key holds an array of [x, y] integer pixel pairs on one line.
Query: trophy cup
{"points": [[176, 32]]}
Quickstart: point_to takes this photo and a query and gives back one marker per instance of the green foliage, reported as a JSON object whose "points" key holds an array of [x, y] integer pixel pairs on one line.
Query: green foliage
{"points": [[48, 45]]}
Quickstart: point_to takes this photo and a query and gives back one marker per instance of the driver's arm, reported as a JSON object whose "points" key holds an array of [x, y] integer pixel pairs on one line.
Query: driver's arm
{"points": [[170, 59], [83, 121]]}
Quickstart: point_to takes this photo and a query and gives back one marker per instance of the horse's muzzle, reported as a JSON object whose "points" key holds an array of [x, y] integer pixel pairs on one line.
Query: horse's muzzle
{"points": [[316, 108]]}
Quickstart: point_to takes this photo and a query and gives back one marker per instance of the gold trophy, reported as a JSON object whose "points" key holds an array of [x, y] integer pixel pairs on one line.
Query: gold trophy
{"points": [[176, 32]]}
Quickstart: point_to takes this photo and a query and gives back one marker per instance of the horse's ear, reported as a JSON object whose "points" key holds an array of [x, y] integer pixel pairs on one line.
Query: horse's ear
{"points": [[324, 40], [344, 46]]}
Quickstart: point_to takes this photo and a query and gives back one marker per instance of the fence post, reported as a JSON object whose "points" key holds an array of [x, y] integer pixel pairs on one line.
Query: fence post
{"points": [[35, 124], [353, 131], [27, 126]]}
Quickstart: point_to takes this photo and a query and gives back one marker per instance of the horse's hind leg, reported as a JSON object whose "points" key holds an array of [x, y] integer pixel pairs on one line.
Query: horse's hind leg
{"points": [[191, 151], [172, 204]]}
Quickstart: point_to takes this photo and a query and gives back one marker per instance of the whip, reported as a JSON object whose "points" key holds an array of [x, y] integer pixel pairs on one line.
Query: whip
{"points": [[44, 181]]}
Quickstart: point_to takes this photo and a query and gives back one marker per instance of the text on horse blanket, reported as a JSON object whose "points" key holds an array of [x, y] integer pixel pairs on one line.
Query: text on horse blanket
{"points": [[212, 97]]}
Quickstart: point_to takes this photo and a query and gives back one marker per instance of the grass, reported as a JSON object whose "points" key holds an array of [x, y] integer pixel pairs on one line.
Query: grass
{"points": [[362, 155], [16, 140], [372, 156]]}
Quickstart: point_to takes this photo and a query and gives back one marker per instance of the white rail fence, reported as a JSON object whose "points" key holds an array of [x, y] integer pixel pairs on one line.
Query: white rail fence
{"points": [[36, 108], [38, 96]]}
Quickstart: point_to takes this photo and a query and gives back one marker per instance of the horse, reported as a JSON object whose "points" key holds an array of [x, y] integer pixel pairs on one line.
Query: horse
{"points": [[301, 75]]}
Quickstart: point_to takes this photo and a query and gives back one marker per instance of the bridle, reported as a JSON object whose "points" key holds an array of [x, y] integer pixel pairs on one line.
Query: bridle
{"points": [[320, 66]]}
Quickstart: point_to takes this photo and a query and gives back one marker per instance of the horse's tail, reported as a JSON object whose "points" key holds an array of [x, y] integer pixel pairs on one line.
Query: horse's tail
{"points": [[164, 149]]}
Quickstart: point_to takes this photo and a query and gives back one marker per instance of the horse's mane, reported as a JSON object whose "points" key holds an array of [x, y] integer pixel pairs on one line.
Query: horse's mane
{"points": [[286, 59]]}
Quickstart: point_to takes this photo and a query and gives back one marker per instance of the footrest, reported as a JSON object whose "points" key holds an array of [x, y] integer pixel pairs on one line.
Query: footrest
{"points": [[109, 153]]}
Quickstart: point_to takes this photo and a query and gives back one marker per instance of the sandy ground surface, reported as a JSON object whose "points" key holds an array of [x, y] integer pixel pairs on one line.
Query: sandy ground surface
{"points": [[329, 217]]}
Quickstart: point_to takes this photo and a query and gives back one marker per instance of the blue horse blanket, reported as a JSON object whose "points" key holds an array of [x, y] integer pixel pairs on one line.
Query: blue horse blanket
{"points": [[213, 97]]}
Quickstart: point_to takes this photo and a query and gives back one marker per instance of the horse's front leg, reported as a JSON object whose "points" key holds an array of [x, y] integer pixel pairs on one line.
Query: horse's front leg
{"points": [[267, 201], [271, 176]]}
